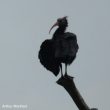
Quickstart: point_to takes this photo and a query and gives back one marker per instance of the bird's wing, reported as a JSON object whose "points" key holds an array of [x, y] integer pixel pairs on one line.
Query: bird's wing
{"points": [[46, 56], [71, 38]]}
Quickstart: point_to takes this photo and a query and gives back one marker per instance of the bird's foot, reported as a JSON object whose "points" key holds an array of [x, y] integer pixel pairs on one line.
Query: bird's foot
{"points": [[66, 79], [67, 76], [62, 76]]}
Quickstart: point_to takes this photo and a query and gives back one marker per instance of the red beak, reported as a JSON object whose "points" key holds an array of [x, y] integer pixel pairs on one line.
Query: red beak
{"points": [[56, 24]]}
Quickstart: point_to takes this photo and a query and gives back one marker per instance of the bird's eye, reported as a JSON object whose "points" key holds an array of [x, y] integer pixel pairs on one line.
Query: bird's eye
{"points": [[59, 20]]}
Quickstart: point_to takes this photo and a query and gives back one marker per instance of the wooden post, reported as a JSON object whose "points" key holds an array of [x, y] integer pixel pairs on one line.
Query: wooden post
{"points": [[68, 83]]}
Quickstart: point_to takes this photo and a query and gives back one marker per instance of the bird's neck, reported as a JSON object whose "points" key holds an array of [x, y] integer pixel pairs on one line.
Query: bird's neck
{"points": [[59, 31]]}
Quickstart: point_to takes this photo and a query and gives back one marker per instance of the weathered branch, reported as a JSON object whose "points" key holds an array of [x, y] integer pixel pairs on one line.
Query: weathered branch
{"points": [[68, 83]]}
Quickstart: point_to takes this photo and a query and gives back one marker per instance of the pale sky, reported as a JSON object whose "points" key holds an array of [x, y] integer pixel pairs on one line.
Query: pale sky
{"points": [[24, 25]]}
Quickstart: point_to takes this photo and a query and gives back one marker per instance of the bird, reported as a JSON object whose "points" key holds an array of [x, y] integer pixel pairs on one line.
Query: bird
{"points": [[61, 48]]}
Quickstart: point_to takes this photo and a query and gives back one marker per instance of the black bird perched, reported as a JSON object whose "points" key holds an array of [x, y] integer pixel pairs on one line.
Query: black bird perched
{"points": [[62, 48]]}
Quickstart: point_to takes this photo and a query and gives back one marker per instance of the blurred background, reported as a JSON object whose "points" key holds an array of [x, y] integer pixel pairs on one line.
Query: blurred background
{"points": [[24, 25]]}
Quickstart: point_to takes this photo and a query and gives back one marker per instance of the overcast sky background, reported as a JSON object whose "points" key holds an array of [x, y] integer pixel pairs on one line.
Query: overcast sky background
{"points": [[24, 24]]}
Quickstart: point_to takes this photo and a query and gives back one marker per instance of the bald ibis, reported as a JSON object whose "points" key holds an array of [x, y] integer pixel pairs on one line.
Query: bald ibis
{"points": [[61, 48]]}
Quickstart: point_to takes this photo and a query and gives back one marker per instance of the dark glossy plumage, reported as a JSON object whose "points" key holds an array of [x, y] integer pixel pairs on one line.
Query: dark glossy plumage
{"points": [[62, 48], [46, 56], [66, 47]]}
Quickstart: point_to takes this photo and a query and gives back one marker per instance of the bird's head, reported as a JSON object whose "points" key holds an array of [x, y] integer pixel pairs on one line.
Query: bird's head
{"points": [[61, 22]]}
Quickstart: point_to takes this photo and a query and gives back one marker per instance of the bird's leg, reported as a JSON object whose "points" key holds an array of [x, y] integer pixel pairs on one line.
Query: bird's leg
{"points": [[61, 70], [65, 69]]}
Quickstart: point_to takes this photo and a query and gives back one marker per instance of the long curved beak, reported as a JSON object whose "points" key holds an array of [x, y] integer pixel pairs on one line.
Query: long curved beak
{"points": [[56, 24]]}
